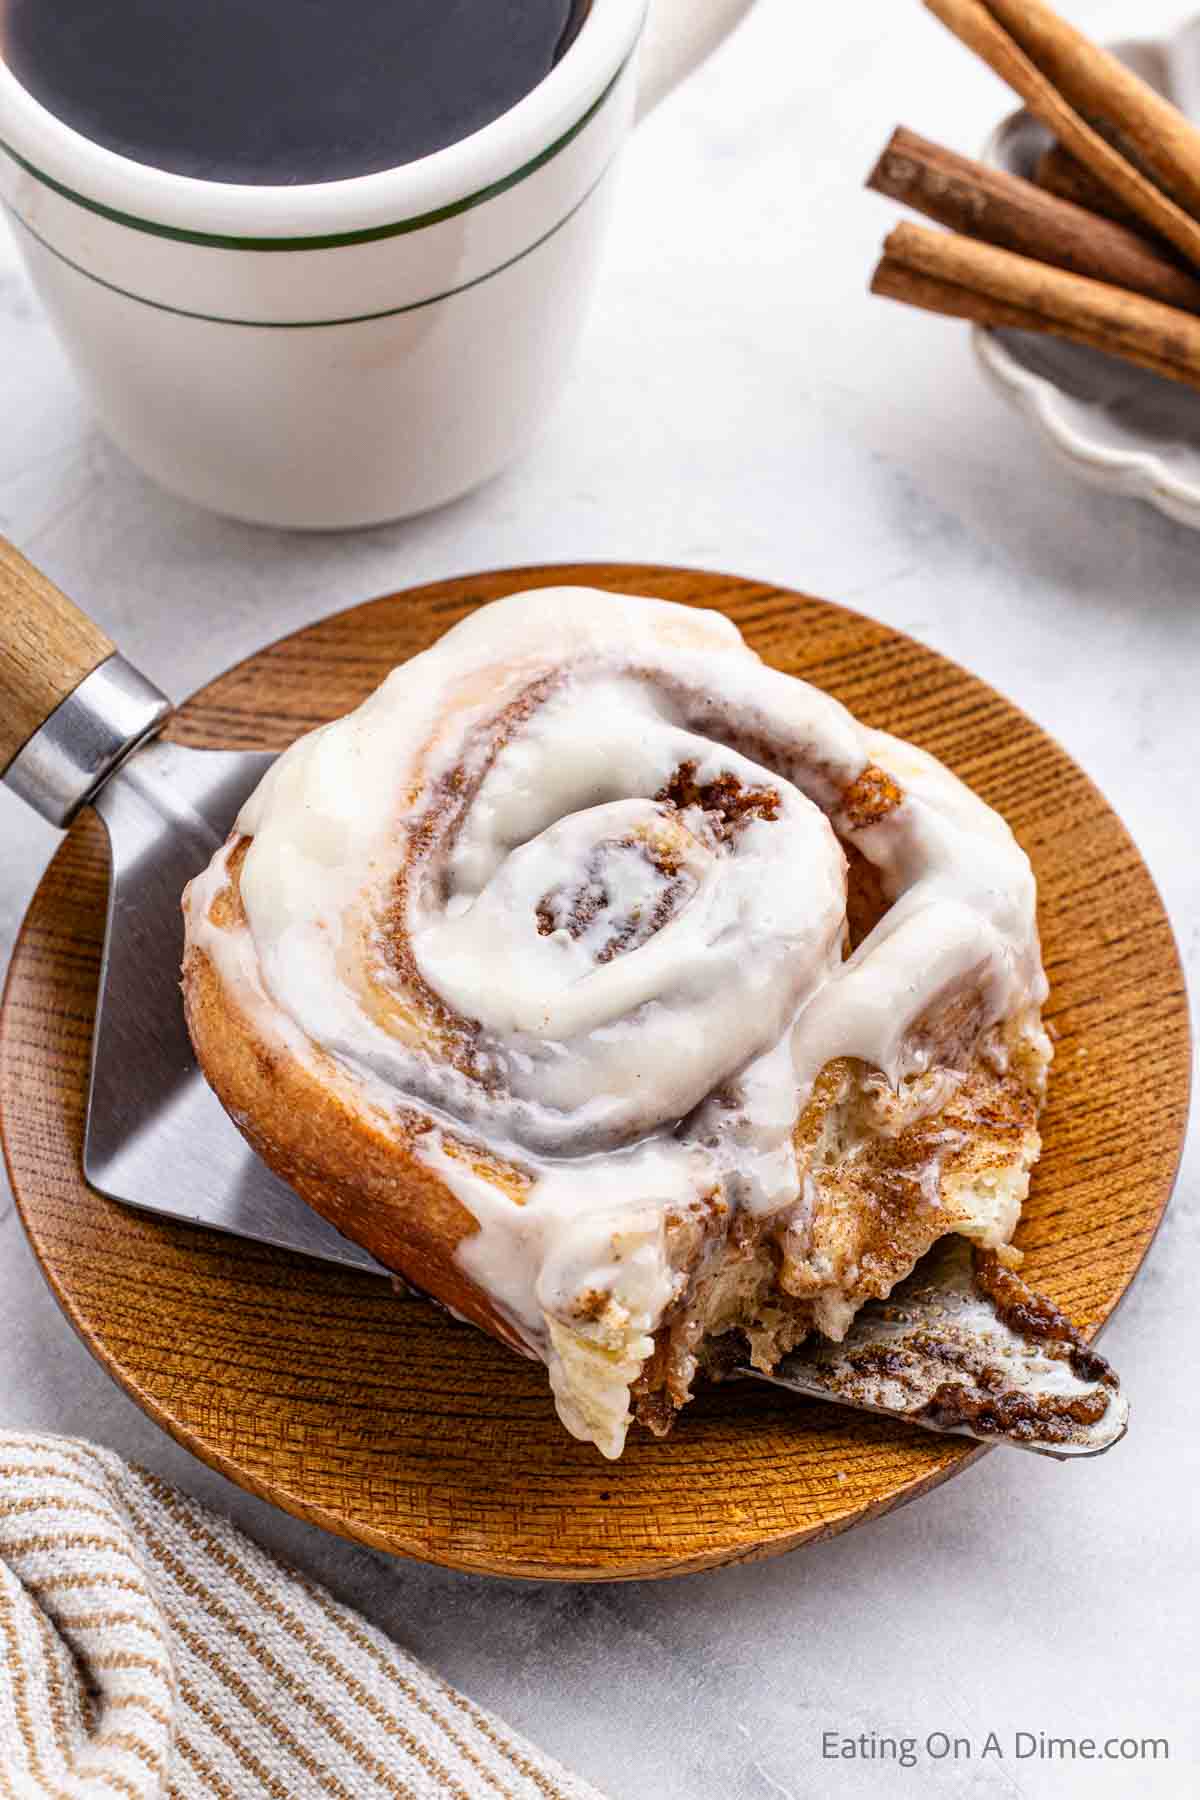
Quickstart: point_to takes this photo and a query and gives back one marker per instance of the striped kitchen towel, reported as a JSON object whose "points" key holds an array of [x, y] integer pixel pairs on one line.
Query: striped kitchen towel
{"points": [[148, 1648]]}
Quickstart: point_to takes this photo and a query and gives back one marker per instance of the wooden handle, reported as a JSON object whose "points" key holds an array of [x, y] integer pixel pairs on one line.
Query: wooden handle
{"points": [[47, 646]]}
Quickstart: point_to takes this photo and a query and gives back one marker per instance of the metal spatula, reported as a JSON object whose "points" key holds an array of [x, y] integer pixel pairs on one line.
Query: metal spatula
{"points": [[78, 726], [79, 723]]}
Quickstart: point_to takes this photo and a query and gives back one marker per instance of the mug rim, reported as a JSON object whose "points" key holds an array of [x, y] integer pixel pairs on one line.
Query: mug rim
{"points": [[322, 215]]}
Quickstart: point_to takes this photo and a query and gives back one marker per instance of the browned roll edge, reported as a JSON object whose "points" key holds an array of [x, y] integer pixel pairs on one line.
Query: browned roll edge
{"points": [[365, 1180]]}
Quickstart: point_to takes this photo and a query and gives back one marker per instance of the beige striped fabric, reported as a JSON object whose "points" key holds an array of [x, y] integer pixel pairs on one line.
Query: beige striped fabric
{"points": [[148, 1648]]}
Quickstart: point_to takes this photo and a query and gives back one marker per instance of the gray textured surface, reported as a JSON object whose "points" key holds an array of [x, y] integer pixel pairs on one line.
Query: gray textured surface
{"points": [[741, 403]]}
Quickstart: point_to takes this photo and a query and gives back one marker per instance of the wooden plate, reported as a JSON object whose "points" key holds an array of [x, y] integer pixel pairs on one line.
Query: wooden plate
{"points": [[381, 1419]]}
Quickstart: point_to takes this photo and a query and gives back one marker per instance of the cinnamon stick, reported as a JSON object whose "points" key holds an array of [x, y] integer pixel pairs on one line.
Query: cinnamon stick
{"points": [[1058, 172], [1002, 209], [1031, 48], [894, 280], [947, 272], [1148, 130]]}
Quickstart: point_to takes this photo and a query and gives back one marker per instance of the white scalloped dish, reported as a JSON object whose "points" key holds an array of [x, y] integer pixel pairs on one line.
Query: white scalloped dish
{"points": [[1116, 426]]}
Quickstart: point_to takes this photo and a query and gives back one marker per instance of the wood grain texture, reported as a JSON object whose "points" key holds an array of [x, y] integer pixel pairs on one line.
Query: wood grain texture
{"points": [[379, 1417], [47, 646]]}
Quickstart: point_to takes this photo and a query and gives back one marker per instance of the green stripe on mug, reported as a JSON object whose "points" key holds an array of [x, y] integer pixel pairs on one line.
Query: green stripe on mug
{"points": [[387, 312]]}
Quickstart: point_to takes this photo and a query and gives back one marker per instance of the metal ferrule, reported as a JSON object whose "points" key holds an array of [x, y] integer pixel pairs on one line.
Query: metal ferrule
{"points": [[86, 737]]}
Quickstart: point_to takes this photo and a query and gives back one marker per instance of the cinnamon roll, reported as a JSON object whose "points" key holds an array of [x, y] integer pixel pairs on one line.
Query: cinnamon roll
{"points": [[625, 995]]}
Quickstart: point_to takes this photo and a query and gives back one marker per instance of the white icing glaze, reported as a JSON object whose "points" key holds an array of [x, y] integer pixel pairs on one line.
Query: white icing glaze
{"points": [[634, 1063]]}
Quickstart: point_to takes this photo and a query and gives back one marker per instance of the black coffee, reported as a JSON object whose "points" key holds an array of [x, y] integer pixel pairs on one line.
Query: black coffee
{"points": [[282, 90]]}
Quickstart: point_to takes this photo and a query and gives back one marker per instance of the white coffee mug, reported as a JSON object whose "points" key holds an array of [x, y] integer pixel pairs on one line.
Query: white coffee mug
{"points": [[343, 352]]}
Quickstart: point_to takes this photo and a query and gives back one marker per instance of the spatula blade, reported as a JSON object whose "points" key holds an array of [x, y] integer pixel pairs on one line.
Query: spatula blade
{"points": [[157, 1137]]}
